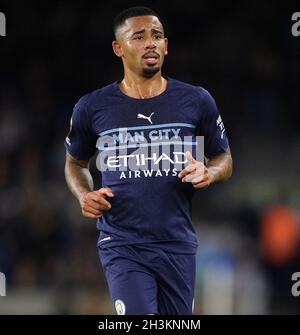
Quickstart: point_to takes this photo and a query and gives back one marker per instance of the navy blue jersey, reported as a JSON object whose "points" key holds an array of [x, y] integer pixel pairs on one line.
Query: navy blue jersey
{"points": [[141, 145]]}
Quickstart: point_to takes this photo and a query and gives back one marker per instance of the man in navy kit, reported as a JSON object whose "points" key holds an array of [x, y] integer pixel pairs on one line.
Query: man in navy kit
{"points": [[147, 243]]}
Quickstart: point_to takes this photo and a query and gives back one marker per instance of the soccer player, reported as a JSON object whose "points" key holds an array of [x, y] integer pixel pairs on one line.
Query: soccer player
{"points": [[147, 244]]}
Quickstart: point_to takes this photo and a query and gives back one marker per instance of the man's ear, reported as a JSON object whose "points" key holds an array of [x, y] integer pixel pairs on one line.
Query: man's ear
{"points": [[117, 48], [166, 42]]}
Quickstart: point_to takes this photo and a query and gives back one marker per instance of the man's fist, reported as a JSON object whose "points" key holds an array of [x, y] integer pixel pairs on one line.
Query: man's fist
{"points": [[196, 173], [93, 204]]}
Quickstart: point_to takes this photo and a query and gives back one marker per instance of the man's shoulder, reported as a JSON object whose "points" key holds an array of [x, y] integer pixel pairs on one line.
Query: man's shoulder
{"points": [[99, 96], [184, 87]]}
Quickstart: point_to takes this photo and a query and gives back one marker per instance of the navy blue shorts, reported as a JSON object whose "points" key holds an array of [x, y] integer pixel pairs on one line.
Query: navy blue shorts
{"points": [[143, 280]]}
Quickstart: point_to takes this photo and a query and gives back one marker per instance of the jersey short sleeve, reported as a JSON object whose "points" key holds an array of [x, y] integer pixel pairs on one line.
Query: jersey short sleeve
{"points": [[211, 127], [81, 141]]}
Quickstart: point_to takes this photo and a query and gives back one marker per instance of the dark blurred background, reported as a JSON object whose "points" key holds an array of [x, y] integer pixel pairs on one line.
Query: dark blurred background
{"points": [[243, 53]]}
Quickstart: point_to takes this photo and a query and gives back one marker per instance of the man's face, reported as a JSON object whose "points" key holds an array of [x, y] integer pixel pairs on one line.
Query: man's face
{"points": [[141, 45]]}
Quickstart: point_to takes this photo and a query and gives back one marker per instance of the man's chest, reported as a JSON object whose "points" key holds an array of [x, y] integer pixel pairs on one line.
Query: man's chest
{"points": [[153, 121]]}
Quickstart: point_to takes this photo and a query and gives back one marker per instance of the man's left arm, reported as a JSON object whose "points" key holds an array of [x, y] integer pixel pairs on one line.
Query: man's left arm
{"points": [[217, 170]]}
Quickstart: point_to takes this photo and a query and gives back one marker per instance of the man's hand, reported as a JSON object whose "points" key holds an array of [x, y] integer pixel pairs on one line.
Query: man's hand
{"points": [[196, 173], [93, 204]]}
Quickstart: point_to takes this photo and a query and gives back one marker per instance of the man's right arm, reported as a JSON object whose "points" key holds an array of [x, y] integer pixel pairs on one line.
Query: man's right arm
{"points": [[80, 183]]}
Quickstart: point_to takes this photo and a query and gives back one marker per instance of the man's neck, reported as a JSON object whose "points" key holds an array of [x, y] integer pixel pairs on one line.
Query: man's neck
{"points": [[141, 87]]}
